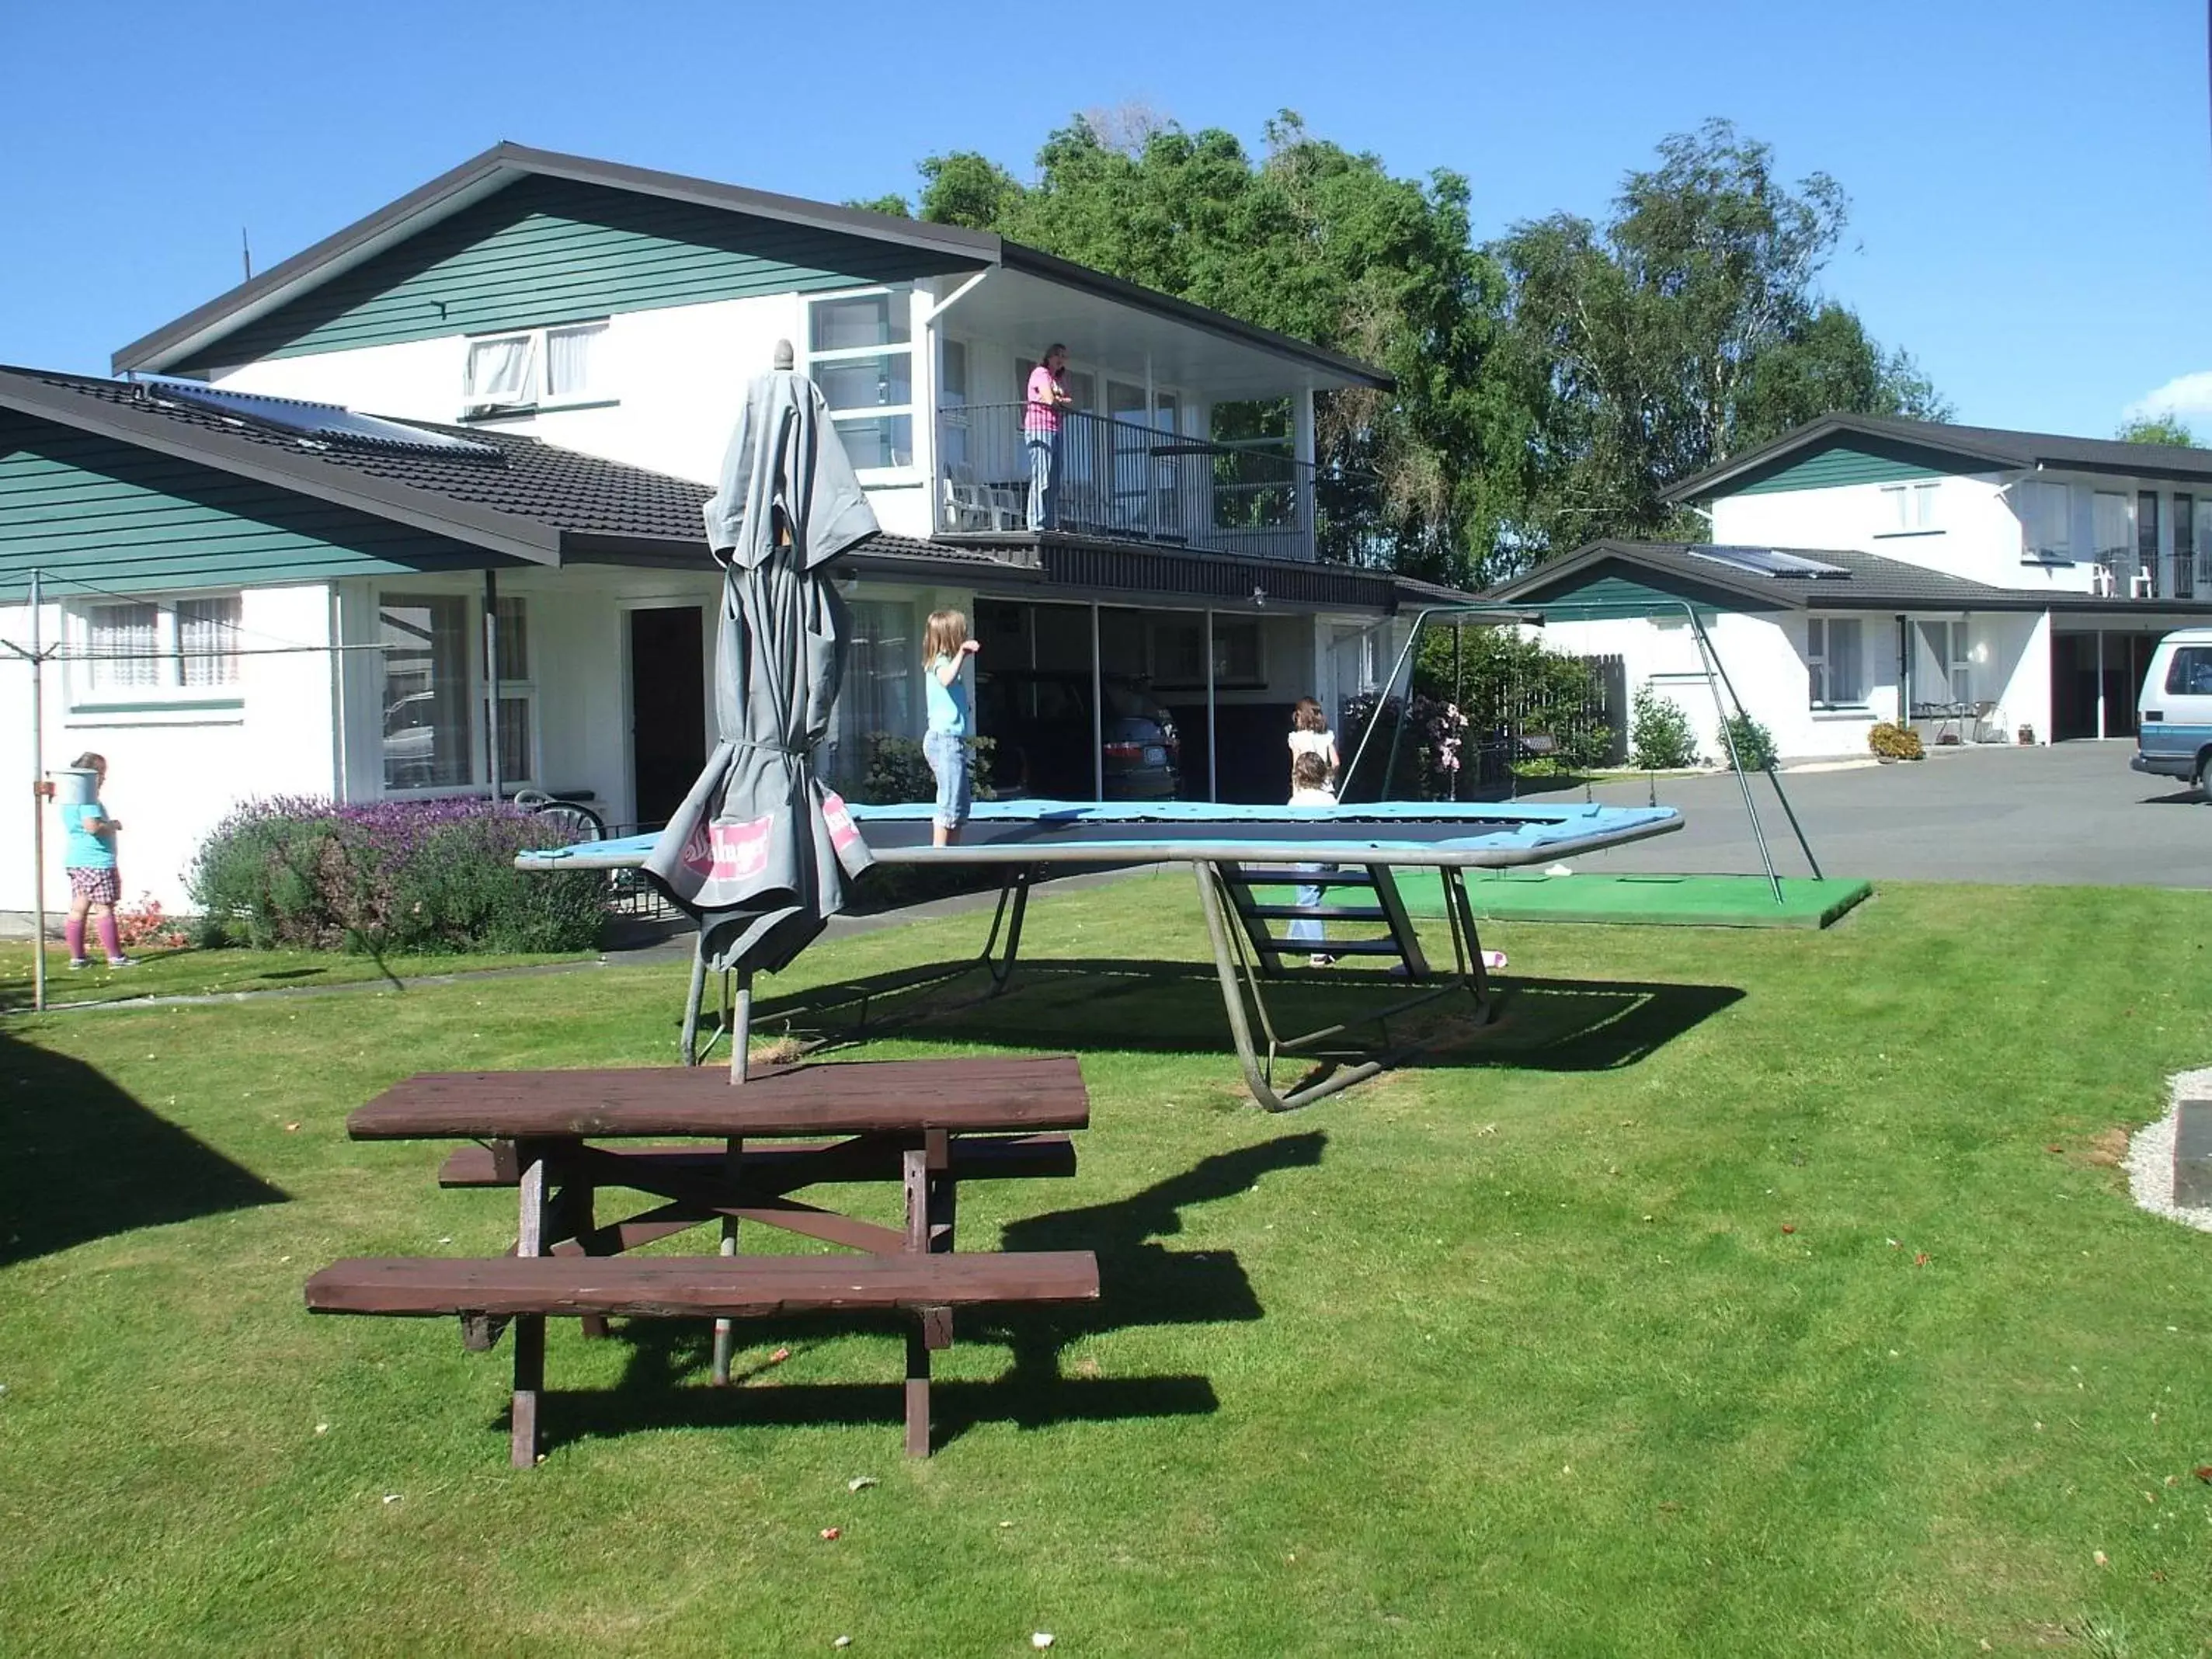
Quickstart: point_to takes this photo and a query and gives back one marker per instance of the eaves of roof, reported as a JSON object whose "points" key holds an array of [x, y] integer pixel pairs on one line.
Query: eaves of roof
{"points": [[494, 531], [1993, 449], [478, 177]]}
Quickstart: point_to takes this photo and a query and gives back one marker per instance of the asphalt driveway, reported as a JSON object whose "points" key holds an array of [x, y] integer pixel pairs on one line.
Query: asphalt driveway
{"points": [[2071, 814]]}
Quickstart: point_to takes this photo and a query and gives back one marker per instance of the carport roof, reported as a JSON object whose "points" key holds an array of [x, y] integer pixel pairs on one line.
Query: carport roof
{"points": [[1867, 581]]}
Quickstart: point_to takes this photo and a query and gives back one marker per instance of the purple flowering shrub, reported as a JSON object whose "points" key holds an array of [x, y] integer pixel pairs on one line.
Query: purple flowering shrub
{"points": [[402, 876]]}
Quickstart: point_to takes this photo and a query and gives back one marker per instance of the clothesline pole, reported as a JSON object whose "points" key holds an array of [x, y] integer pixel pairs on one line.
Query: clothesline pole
{"points": [[38, 807]]}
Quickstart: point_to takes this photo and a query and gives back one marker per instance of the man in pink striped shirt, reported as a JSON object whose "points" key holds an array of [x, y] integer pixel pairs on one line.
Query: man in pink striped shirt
{"points": [[1041, 436]]}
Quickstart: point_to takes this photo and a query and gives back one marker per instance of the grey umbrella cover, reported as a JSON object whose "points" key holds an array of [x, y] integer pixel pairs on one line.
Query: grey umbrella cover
{"points": [[759, 849]]}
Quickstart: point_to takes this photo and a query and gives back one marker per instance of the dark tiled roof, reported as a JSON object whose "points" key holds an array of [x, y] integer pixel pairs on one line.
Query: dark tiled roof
{"points": [[1996, 447], [562, 489], [1870, 581]]}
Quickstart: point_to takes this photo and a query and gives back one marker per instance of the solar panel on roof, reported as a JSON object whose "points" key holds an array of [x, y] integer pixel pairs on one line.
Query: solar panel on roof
{"points": [[1768, 561], [322, 423]]}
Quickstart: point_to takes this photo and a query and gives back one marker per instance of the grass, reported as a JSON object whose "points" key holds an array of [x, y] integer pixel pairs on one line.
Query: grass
{"points": [[1728, 1298], [190, 972]]}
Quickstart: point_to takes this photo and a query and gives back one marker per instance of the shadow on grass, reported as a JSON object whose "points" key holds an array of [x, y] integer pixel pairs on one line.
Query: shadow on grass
{"points": [[80, 1159], [1141, 1283], [1061, 1004]]}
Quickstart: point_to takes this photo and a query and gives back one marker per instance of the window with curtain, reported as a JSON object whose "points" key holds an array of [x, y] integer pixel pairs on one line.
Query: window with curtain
{"points": [[1835, 662], [207, 641], [2045, 511], [502, 373], [860, 353], [125, 645], [2112, 522], [2184, 547], [952, 405], [1942, 670], [1908, 508], [427, 728], [538, 367], [878, 692], [518, 695]]}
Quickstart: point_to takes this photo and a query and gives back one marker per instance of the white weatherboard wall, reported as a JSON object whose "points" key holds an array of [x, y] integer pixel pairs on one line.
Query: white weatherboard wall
{"points": [[673, 378], [1975, 534], [676, 376], [173, 773]]}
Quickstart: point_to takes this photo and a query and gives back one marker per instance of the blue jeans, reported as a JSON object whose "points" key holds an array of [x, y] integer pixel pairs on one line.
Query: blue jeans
{"points": [[1044, 474], [1304, 930], [947, 755]]}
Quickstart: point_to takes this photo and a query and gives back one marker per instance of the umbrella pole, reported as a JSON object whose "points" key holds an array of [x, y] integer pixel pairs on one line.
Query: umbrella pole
{"points": [[741, 1028]]}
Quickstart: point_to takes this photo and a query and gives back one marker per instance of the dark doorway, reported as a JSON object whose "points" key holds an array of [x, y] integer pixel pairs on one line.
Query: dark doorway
{"points": [[2085, 665], [667, 707]]}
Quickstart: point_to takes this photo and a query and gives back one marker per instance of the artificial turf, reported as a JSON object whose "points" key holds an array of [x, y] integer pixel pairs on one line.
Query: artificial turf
{"points": [[1757, 1292]]}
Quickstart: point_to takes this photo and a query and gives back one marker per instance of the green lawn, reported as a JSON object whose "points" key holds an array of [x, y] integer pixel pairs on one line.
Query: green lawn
{"points": [[213, 973], [1728, 1298]]}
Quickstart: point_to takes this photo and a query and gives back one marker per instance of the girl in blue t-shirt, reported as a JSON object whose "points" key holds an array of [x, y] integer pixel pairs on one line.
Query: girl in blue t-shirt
{"points": [[89, 855], [945, 652]]}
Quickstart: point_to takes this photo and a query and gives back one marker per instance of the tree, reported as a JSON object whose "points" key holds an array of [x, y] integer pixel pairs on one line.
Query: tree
{"points": [[1687, 327], [2167, 428]]}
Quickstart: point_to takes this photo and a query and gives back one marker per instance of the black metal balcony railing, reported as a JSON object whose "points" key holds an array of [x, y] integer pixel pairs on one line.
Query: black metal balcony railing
{"points": [[1126, 482]]}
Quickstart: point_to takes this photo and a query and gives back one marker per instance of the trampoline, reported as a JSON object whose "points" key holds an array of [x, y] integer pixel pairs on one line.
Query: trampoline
{"points": [[1230, 850]]}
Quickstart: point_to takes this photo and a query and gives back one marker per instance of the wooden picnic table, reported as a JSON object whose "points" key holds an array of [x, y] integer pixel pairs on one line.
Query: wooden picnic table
{"points": [[927, 1124]]}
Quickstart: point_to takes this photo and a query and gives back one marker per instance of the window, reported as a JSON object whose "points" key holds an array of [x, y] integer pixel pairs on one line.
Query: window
{"points": [[2112, 524], [2045, 511], [952, 405], [142, 650], [1907, 509], [881, 665], [2147, 537], [1834, 661], [2189, 673], [542, 368], [1178, 652], [1942, 668], [860, 352], [426, 691], [2184, 547], [518, 696]]}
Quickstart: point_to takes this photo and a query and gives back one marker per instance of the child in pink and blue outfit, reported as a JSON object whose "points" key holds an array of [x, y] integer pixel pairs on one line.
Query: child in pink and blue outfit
{"points": [[96, 883]]}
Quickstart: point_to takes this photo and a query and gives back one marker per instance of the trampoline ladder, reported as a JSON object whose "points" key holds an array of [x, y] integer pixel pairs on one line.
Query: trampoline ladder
{"points": [[1397, 942]]}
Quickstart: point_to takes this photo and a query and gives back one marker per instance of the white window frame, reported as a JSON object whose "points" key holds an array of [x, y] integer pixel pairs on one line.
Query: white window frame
{"points": [[512, 689], [912, 409], [167, 688], [539, 399], [1819, 660], [1909, 509], [2059, 505]]}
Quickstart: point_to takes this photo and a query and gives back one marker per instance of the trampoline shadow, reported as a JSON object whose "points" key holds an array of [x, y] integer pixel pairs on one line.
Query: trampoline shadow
{"points": [[1141, 1283], [81, 1159], [1072, 1004]]}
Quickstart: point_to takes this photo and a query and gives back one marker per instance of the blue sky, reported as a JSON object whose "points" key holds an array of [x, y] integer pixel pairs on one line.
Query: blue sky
{"points": [[2031, 183]]}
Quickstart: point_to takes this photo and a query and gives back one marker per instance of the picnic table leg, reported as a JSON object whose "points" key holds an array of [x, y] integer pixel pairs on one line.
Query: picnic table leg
{"points": [[929, 1187], [579, 1204], [530, 1329], [725, 1330]]}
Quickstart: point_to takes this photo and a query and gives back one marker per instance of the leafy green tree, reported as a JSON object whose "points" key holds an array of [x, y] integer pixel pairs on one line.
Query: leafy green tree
{"points": [[2168, 428], [1685, 328]]}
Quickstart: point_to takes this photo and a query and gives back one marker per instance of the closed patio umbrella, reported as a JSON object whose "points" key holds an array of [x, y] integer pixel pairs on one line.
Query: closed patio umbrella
{"points": [[758, 851]]}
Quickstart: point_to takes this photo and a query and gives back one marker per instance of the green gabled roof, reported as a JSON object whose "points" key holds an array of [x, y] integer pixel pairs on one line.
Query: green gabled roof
{"points": [[575, 238], [1840, 449]]}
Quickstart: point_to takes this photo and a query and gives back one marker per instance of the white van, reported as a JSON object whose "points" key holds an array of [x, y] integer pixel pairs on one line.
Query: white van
{"points": [[2173, 715]]}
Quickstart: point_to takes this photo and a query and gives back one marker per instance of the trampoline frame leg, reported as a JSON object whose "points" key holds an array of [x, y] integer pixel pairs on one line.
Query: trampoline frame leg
{"points": [[1243, 998]]}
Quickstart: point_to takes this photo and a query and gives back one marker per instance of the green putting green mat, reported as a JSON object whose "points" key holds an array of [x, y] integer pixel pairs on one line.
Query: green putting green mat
{"points": [[1659, 900]]}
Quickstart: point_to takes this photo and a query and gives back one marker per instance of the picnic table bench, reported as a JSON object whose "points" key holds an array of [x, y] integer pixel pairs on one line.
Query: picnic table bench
{"points": [[927, 1124]]}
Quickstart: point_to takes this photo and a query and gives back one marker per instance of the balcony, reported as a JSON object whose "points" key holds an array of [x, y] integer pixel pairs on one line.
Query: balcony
{"points": [[1121, 481]]}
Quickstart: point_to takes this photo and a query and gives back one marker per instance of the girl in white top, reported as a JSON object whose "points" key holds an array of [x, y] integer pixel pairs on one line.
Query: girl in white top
{"points": [[1309, 735]]}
